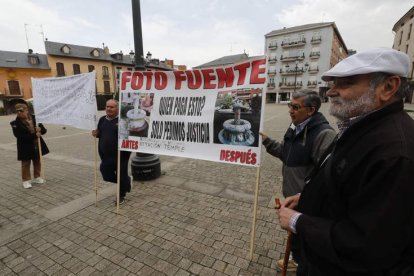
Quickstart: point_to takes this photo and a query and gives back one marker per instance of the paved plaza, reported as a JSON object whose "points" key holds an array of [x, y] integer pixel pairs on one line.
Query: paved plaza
{"points": [[195, 219]]}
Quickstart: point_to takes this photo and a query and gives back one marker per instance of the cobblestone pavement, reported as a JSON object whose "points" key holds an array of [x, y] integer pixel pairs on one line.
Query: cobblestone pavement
{"points": [[195, 219]]}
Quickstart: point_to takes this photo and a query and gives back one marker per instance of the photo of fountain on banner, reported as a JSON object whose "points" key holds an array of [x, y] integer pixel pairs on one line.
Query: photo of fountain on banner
{"points": [[135, 109]]}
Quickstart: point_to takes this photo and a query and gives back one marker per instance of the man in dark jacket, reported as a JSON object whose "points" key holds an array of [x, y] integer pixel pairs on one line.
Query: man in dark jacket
{"points": [[306, 139], [107, 132], [355, 216]]}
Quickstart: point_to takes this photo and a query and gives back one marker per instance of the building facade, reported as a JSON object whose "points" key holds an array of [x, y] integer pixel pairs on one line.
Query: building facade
{"points": [[298, 56], [404, 42], [16, 71], [62, 59]]}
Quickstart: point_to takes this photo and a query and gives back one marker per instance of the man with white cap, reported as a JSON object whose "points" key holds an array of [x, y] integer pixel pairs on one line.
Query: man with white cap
{"points": [[355, 215]]}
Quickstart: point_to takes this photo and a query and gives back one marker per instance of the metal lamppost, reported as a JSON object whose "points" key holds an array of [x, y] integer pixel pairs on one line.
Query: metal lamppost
{"points": [[144, 166], [296, 70]]}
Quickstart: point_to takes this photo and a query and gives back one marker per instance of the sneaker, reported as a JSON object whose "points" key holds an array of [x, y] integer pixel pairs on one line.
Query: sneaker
{"points": [[121, 200], [292, 265], [38, 180], [26, 184]]}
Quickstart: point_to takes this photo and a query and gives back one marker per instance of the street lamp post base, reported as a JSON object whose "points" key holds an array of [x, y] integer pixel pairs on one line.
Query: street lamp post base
{"points": [[145, 166]]}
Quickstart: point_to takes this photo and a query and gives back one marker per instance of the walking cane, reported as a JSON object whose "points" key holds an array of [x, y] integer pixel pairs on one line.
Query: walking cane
{"points": [[288, 243], [42, 170]]}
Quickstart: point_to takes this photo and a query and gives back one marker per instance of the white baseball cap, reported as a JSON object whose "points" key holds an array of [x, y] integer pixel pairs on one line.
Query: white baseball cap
{"points": [[384, 60]]}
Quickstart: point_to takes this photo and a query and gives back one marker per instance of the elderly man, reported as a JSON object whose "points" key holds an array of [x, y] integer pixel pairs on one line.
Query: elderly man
{"points": [[306, 139], [355, 216], [107, 132]]}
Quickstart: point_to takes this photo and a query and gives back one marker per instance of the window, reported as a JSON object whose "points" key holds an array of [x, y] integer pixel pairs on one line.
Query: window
{"points": [[91, 68], [14, 87], [34, 60], [105, 72], [66, 49], [95, 53], [406, 48], [118, 71], [60, 68], [401, 35], [107, 87], [76, 69], [409, 31]]}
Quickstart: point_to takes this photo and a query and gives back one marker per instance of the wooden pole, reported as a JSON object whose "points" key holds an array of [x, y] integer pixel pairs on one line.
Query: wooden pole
{"points": [[288, 243], [256, 197], [42, 170], [118, 177], [95, 171]]}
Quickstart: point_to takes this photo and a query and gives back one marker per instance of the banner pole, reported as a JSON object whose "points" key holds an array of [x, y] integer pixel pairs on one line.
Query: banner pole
{"points": [[118, 177], [95, 171], [256, 197], [42, 170]]}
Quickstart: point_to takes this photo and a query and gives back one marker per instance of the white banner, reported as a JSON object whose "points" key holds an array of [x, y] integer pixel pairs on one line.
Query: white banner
{"points": [[68, 101], [211, 114]]}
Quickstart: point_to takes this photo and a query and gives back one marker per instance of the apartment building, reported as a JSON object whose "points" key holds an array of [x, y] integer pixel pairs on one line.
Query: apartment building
{"points": [[404, 42], [297, 57]]}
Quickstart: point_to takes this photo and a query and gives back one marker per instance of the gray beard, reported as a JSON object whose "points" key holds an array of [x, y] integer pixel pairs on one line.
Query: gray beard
{"points": [[346, 109]]}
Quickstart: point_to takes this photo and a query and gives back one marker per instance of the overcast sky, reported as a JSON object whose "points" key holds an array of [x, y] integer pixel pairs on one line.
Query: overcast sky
{"points": [[191, 32]]}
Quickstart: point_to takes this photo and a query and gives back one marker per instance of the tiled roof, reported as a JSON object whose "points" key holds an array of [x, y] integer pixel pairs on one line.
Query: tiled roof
{"points": [[21, 60], [224, 61], [76, 51], [300, 28]]}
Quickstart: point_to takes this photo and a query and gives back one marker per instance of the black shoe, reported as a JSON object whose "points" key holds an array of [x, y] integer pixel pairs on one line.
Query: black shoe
{"points": [[121, 200]]}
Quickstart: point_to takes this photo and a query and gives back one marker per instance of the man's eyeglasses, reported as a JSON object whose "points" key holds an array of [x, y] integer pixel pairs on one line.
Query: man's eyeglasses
{"points": [[296, 107], [19, 110]]}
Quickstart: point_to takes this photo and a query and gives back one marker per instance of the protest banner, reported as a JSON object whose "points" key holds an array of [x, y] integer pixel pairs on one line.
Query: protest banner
{"points": [[67, 101], [211, 114]]}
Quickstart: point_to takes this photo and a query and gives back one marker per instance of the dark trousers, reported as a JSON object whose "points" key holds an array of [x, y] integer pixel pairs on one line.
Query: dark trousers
{"points": [[37, 167], [108, 170], [299, 257]]}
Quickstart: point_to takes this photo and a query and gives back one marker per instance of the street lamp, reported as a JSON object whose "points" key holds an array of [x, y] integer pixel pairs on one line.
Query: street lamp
{"points": [[144, 166], [296, 70]]}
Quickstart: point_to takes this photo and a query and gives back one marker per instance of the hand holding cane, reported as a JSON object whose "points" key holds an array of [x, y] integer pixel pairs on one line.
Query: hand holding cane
{"points": [[288, 243]]}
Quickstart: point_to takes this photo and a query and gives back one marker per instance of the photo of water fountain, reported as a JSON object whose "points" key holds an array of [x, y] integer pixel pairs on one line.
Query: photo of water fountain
{"points": [[237, 117], [236, 131], [134, 114]]}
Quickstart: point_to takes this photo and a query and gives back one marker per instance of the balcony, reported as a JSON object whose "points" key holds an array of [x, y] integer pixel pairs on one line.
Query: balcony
{"points": [[272, 46], [271, 85], [288, 44], [15, 92], [61, 73], [292, 58], [105, 76], [290, 85], [313, 70], [271, 72], [314, 55], [293, 71], [272, 59], [312, 84], [316, 39]]}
